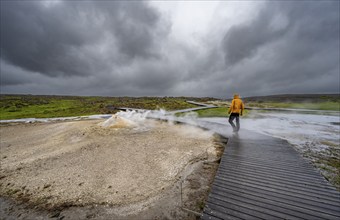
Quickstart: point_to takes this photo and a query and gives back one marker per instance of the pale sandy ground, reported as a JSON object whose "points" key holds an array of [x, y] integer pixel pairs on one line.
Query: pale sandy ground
{"points": [[79, 170]]}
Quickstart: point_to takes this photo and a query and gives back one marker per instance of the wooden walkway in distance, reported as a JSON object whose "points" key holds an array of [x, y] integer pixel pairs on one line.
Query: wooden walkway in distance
{"points": [[265, 178]]}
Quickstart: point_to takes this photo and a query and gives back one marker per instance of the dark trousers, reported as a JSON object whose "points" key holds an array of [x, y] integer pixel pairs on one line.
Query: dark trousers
{"points": [[231, 119]]}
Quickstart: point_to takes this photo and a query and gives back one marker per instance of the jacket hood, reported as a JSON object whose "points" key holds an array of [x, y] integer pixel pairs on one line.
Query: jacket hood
{"points": [[236, 96]]}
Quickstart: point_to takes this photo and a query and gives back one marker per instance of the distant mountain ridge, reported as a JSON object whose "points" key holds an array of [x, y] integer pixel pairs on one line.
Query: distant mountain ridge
{"points": [[295, 98]]}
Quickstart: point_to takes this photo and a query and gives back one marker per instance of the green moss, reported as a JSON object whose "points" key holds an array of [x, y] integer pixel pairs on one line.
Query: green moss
{"points": [[324, 105], [213, 112], [336, 182], [332, 167], [334, 162], [216, 112], [329, 143], [200, 204], [11, 192]]}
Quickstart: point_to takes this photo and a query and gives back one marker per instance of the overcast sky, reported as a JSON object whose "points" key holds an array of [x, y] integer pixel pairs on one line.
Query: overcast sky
{"points": [[190, 48]]}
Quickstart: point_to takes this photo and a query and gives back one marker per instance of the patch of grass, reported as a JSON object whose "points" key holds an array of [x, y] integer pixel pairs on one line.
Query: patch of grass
{"points": [[30, 106], [336, 182], [11, 192], [213, 112], [333, 162], [329, 143], [325, 105], [331, 165], [319, 104], [200, 205]]}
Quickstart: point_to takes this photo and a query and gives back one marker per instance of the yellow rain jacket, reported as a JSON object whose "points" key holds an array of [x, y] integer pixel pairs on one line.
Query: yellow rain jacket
{"points": [[236, 106]]}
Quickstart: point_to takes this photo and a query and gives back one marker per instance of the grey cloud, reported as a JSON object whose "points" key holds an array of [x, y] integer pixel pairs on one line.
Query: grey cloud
{"points": [[135, 33], [312, 23], [134, 25], [123, 48], [12, 75], [39, 40], [55, 40], [242, 41], [263, 59]]}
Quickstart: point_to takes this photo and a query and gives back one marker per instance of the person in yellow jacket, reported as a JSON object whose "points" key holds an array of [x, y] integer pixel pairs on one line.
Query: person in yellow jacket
{"points": [[236, 109]]}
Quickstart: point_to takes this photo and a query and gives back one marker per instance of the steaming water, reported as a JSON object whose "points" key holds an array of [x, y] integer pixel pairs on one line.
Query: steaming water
{"points": [[137, 120], [129, 119], [118, 122], [305, 131]]}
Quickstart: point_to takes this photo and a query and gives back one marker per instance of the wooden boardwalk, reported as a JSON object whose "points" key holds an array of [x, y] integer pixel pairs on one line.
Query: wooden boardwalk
{"points": [[265, 178]]}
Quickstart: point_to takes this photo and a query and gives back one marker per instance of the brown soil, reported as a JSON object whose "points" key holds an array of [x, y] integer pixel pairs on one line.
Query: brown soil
{"points": [[79, 170]]}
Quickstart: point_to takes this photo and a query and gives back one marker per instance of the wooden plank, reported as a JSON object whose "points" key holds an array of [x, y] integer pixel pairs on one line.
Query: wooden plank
{"points": [[299, 209], [282, 164], [299, 164], [273, 156], [206, 216], [272, 208], [247, 208], [318, 180], [223, 213], [305, 172], [294, 207], [294, 193], [236, 210], [305, 185], [269, 175], [280, 197], [282, 184]]}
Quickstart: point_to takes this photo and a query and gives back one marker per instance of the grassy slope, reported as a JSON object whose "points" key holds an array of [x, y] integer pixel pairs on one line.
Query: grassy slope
{"points": [[213, 112], [26, 106], [325, 105], [298, 101], [216, 112], [29, 106], [222, 111]]}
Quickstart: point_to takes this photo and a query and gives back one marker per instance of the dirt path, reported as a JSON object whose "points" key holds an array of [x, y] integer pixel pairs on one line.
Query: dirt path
{"points": [[83, 170]]}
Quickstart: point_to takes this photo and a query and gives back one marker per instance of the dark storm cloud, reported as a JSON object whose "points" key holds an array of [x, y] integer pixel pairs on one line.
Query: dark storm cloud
{"points": [[127, 48], [65, 38], [13, 75], [243, 41], [313, 24], [285, 47]]}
